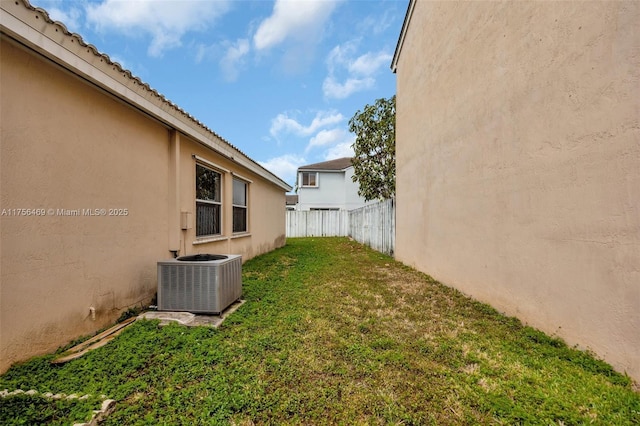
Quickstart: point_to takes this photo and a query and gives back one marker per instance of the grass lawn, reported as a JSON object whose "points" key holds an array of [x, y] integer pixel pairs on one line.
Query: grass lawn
{"points": [[334, 333]]}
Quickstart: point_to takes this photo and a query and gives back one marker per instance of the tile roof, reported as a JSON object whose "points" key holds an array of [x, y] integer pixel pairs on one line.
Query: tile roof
{"points": [[32, 26], [337, 165]]}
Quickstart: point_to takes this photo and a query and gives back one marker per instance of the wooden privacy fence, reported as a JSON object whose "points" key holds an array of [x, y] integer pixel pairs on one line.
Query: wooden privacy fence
{"points": [[373, 225]]}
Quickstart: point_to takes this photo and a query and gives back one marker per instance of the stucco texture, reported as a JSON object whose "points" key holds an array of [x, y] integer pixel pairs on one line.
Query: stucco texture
{"points": [[266, 207], [518, 163], [68, 146]]}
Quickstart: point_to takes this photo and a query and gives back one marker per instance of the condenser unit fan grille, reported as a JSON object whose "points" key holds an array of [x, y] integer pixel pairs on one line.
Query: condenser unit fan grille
{"points": [[199, 286]]}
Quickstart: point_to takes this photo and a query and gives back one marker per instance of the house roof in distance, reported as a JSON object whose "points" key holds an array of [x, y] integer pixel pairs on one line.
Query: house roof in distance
{"points": [[338, 164]]}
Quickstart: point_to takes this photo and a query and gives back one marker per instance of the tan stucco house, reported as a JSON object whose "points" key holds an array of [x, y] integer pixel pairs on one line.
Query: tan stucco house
{"points": [[102, 177], [518, 162]]}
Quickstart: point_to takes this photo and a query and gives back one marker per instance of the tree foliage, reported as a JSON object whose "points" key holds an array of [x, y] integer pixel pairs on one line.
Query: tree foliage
{"points": [[375, 149]]}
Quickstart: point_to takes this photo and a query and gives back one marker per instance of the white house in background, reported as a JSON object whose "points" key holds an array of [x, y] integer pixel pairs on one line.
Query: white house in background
{"points": [[328, 186]]}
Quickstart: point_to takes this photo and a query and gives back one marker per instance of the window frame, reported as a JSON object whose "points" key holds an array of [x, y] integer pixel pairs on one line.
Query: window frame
{"points": [[210, 202], [309, 173], [235, 206]]}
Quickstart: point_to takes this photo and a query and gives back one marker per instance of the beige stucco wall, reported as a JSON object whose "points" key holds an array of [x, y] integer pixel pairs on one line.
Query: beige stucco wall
{"points": [[266, 207], [67, 145], [518, 163]]}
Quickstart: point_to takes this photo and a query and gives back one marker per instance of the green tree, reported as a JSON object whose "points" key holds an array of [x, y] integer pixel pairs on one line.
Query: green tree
{"points": [[375, 149]]}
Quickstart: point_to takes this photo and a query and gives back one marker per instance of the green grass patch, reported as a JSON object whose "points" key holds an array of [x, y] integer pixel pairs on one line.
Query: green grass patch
{"points": [[22, 409], [335, 333]]}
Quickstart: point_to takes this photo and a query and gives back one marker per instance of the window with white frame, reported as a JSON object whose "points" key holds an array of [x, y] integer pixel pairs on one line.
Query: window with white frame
{"points": [[240, 188], [208, 201], [309, 178]]}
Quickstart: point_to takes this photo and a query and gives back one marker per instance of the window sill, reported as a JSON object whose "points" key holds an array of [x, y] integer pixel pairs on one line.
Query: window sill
{"points": [[205, 240], [241, 235]]}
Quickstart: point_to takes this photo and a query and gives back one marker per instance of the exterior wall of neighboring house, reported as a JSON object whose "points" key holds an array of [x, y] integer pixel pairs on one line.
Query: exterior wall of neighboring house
{"points": [[352, 200], [329, 193], [73, 144], [518, 162], [335, 190]]}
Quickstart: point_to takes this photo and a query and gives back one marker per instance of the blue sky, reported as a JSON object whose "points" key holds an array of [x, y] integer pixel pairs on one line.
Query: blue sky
{"points": [[278, 80]]}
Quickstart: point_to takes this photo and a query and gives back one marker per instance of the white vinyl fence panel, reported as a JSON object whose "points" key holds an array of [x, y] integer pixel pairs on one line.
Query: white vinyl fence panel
{"points": [[317, 223], [373, 225]]}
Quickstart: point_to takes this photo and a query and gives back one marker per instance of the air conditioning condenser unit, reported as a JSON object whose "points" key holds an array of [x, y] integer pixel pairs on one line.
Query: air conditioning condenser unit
{"points": [[201, 283]]}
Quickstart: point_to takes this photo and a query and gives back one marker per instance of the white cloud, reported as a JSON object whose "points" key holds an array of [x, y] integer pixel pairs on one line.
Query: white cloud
{"points": [[339, 151], [70, 18], [369, 63], [299, 20], [204, 51], [285, 124], [377, 24], [121, 61], [285, 167], [335, 90], [358, 71], [165, 21], [339, 57], [233, 59], [329, 137]]}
